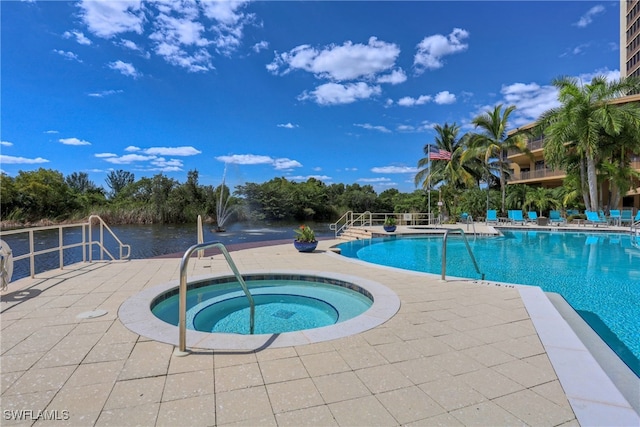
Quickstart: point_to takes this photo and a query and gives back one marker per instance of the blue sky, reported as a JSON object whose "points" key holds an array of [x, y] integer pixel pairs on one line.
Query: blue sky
{"points": [[346, 92]]}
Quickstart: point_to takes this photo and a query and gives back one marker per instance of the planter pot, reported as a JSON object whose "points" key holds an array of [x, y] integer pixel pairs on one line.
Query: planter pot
{"points": [[389, 228], [305, 246]]}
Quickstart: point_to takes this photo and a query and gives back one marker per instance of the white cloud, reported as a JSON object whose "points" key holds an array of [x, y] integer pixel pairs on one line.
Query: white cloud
{"points": [[171, 151], [125, 68], [374, 180], [180, 42], [172, 165], [287, 125], [610, 75], [372, 127], [253, 159], [396, 77], [79, 36], [394, 169], [6, 143], [408, 101], [179, 31], [245, 159], [73, 141], [307, 177], [67, 55], [108, 18], [104, 93], [226, 12], [335, 93], [532, 99], [339, 63], [263, 45], [128, 44], [587, 18], [432, 48], [128, 159], [105, 155], [12, 160], [405, 128], [286, 164], [444, 97], [51, 131], [132, 148]]}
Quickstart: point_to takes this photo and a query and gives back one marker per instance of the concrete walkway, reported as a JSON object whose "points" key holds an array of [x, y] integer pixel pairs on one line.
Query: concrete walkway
{"points": [[456, 353]]}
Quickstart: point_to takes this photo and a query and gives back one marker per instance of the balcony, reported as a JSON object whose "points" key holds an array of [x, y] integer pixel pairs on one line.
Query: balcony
{"points": [[532, 145], [536, 175]]}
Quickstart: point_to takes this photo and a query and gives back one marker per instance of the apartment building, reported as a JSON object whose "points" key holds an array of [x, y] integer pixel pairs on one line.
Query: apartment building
{"points": [[534, 171], [630, 38]]}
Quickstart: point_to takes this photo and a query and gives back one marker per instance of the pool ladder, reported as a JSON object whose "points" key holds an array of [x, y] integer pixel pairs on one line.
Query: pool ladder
{"points": [[444, 252], [182, 325]]}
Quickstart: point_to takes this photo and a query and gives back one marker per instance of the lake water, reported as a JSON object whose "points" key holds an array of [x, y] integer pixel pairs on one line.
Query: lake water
{"points": [[148, 241]]}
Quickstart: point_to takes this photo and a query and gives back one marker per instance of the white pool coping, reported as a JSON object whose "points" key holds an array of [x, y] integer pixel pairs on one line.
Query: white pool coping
{"points": [[594, 397], [143, 322]]}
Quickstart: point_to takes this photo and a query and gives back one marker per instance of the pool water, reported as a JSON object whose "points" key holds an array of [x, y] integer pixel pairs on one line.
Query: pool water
{"points": [[597, 273], [274, 313], [280, 306]]}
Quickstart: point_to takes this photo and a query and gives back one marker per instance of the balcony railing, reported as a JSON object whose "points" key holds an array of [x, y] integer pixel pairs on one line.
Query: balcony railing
{"points": [[537, 174]]}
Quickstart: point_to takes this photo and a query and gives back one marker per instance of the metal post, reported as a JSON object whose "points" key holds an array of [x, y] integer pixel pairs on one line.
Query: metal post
{"points": [[60, 251], [32, 261]]}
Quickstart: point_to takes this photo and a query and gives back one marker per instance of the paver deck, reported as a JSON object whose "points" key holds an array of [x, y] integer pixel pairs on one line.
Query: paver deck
{"points": [[456, 353]]}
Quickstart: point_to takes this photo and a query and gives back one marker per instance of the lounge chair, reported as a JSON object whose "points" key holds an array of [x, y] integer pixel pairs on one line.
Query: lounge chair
{"points": [[594, 219], [573, 212], [556, 218], [492, 217], [601, 215], [636, 218], [515, 216], [626, 216], [614, 217], [532, 216]]}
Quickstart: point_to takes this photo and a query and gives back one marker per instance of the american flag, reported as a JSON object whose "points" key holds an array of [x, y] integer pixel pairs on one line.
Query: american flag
{"points": [[437, 154]]}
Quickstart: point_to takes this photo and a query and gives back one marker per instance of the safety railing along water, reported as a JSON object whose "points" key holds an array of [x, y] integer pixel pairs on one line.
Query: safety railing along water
{"points": [[87, 242], [182, 304], [444, 252]]}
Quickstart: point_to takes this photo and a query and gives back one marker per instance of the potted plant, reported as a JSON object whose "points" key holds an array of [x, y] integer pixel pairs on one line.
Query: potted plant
{"points": [[305, 239], [389, 224]]}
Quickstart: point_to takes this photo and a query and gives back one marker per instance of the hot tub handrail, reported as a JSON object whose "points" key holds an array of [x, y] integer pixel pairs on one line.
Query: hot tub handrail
{"points": [[444, 252], [183, 290]]}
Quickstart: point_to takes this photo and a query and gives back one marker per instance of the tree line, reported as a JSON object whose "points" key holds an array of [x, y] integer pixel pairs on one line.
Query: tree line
{"points": [[588, 136], [32, 196]]}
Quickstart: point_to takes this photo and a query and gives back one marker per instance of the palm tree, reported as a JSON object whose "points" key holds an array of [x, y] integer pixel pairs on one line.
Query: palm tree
{"points": [[493, 142], [616, 165], [577, 124], [542, 198], [453, 171]]}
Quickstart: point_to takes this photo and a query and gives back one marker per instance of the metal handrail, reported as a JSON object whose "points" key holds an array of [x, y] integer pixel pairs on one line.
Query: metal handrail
{"points": [[100, 244], [635, 234], [182, 324], [473, 224], [444, 252], [86, 244]]}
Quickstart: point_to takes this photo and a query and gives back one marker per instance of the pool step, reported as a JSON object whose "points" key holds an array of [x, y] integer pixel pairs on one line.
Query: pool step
{"points": [[355, 233]]}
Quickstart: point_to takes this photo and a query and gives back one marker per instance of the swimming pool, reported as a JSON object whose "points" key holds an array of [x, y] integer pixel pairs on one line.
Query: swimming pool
{"points": [[597, 273], [136, 314], [282, 305]]}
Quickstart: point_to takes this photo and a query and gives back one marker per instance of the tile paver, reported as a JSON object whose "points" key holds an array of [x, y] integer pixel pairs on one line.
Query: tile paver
{"points": [[458, 353]]}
